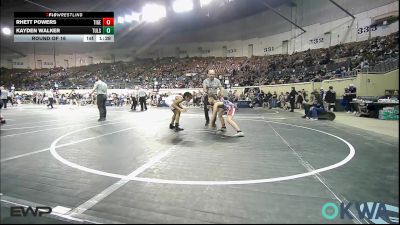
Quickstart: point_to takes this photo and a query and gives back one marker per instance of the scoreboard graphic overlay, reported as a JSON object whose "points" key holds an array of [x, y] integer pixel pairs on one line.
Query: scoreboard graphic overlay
{"points": [[63, 26]]}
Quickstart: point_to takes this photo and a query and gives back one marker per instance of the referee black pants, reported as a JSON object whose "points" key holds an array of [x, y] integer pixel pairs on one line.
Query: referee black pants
{"points": [[10, 100], [101, 105], [142, 101], [51, 100], [4, 103], [292, 105], [205, 103], [134, 104]]}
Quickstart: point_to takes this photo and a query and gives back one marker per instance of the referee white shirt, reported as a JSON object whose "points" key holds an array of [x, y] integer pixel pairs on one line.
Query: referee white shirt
{"points": [[4, 94], [100, 87], [212, 86], [142, 93], [50, 94]]}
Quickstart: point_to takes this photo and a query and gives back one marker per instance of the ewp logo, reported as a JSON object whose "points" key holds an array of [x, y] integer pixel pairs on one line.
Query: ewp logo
{"points": [[38, 211], [378, 213]]}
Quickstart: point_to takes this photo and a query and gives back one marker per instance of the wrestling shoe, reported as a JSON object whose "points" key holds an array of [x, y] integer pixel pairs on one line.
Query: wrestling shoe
{"points": [[177, 128], [221, 131], [239, 134]]}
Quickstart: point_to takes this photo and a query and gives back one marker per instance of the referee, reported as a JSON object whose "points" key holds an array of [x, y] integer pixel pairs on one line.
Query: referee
{"points": [[142, 99], [211, 86], [101, 90]]}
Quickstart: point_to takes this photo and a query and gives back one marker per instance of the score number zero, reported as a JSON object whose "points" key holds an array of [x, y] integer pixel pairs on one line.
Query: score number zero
{"points": [[107, 30]]}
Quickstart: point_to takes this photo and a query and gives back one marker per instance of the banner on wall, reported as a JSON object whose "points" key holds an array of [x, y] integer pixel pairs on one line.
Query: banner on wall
{"points": [[383, 30]]}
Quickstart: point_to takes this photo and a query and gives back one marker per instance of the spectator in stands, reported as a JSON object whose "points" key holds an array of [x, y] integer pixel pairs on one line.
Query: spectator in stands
{"points": [[310, 65], [299, 99], [292, 98], [364, 65], [4, 96], [389, 95], [317, 107], [305, 95], [10, 97], [322, 92], [314, 106], [274, 99], [73, 98], [281, 100], [134, 102], [352, 95], [259, 98], [308, 103], [121, 99], [62, 99], [330, 99], [18, 98], [287, 100], [2, 120], [395, 95], [346, 100], [266, 100], [159, 100], [50, 96]]}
